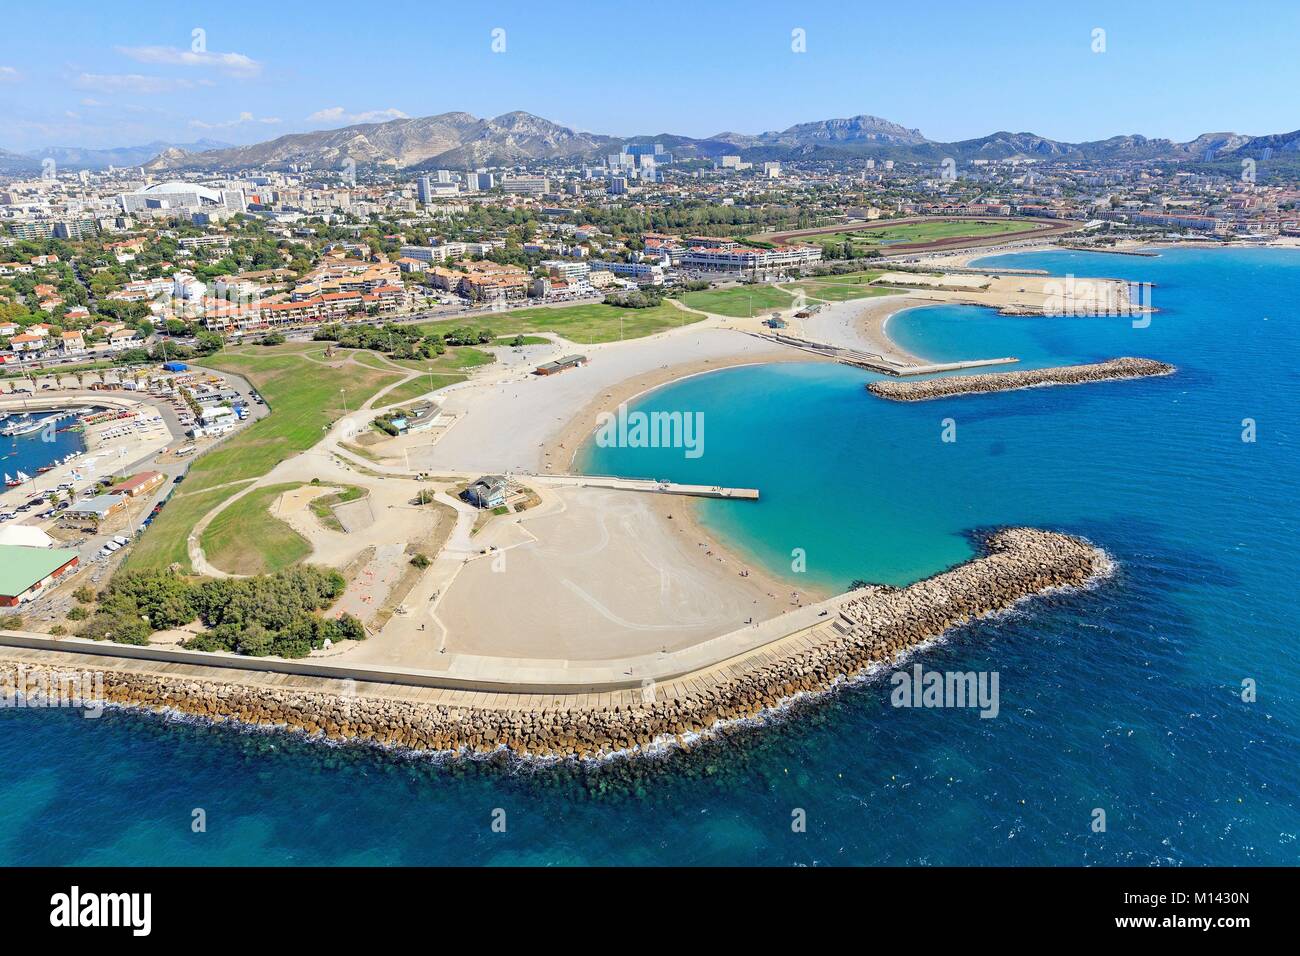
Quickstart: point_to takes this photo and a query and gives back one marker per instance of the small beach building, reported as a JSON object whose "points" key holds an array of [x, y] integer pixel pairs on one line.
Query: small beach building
{"points": [[25, 572], [561, 365], [424, 416], [488, 492]]}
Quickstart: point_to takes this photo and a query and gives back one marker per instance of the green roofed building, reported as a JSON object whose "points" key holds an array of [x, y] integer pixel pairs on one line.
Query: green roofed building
{"points": [[25, 572]]}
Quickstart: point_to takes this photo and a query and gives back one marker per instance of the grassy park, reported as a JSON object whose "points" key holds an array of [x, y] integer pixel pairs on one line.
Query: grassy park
{"points": [[246, 538], [305, 397], [744, 301], [447, 369], [841, 288], [584, 324], [164, 542]]}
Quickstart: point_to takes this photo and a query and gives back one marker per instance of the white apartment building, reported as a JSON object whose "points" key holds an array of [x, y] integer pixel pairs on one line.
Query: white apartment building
{"points": [[526, 185], [738, 258]]}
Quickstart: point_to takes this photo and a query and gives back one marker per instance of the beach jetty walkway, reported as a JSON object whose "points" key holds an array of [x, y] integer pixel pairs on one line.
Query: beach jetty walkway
{"points": [[645, 484], [874, 362]]}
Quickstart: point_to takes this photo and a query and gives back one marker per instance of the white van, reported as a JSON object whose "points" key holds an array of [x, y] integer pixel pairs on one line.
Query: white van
{"points": [[121, 540]]}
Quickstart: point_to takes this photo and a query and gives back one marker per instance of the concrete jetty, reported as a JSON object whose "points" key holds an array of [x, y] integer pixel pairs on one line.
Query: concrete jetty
{"points": [[652, 485], [873, 362]]}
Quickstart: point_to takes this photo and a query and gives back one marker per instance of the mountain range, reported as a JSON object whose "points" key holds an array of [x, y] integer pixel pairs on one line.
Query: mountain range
{"points": [[460, 140], [29, 163]]}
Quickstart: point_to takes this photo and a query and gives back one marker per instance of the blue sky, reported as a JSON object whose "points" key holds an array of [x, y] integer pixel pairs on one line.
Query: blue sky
{"points": [[102, 74]]}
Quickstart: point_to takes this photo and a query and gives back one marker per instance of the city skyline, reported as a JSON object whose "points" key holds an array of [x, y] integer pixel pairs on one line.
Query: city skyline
{"points": [[112, 82]]}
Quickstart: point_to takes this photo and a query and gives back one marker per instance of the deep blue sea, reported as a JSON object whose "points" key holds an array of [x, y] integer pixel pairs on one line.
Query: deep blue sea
{"points": [[1126, 698]]}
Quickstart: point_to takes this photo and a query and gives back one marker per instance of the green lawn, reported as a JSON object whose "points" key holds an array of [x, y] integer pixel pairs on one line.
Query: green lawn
{"points": [[830, 292], [164, 541], [584, 324], [246, 538], [455, 361], [304, 397], [745, 301], [422, 385], [850, 278]]}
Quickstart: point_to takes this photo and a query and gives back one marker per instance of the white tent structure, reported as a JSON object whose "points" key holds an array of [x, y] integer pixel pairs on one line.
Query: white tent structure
{"points": [[26, 535]]}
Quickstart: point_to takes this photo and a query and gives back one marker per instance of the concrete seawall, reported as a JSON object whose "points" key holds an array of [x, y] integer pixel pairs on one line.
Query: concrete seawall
{"points": [[874, 628], [1113, 369]]}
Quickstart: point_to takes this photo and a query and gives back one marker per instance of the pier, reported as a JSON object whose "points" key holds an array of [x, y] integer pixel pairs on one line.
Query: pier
{"points": [[878, 363], [651, 485]]}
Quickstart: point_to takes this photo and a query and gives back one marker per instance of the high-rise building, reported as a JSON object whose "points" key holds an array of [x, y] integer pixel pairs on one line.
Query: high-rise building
{"points": [[74, 229], [424, 190], [526, 185]]}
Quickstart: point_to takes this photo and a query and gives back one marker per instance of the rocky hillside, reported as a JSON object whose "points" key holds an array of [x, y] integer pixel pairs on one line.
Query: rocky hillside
{"points": [[460, 140], [448, 139]]}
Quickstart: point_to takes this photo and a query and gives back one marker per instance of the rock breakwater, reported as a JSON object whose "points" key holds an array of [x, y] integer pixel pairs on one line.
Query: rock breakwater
{"points": [[1112, 369], [875, 627]]}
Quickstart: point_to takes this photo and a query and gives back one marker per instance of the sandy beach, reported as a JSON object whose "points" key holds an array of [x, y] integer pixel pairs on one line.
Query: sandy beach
{"points": [[519, 422], [862, 324], [599, 574]]}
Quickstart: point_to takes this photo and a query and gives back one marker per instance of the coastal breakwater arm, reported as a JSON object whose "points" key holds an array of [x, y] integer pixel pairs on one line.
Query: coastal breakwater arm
{"points": [[1113, 369], [874, 628]]}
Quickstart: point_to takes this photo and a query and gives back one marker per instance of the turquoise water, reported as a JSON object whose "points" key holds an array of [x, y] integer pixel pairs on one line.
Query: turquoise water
{"points": [[1124, 698]]}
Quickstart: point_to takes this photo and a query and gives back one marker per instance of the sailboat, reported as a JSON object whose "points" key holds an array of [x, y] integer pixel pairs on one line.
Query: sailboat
{"points": [[12, 482]]}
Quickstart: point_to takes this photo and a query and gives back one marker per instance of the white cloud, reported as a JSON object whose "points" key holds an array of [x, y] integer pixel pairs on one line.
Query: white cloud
{"points": [[244, 118], [8, 74], [232, 64], [128, 83], [336, 114]]}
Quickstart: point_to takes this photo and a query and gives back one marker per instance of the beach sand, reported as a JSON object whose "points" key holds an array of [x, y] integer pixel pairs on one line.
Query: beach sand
{"points": [[862, 324], [509, 421], [597, 574]]}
